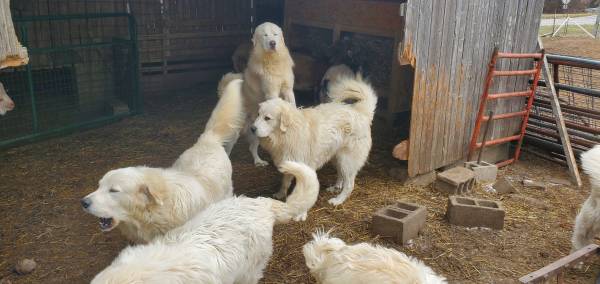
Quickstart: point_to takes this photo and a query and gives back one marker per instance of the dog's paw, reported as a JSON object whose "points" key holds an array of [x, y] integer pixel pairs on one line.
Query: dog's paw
{"points": [[336, 201], [280, 195], [333, 188], [301, 217], [261, 163]]}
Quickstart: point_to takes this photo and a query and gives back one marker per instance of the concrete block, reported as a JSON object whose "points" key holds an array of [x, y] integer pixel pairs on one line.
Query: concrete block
{"points": [[502, 185], [484, 171], [473, 212], [401, 221], [534, 184], [421, 180], [457, 180]]}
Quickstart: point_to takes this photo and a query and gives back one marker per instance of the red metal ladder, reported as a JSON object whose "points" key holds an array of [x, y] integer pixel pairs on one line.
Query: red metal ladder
{"points": [[524, 114]]}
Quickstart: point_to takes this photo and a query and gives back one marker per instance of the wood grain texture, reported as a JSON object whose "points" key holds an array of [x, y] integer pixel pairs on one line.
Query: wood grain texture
{"points": [[450, 44]]}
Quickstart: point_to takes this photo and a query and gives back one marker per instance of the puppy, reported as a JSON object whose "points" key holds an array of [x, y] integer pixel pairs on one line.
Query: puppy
{"points": [[338, 131], [268, 75], [229, 242], [147, 202], [6, 104], [332, 75], [587, 223], [331, 261]]}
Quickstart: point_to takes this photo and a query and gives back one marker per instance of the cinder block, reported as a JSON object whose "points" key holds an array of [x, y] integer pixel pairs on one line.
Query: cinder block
{"points": [[457, 180], [484, 171], [401, 221], [473, 212]]}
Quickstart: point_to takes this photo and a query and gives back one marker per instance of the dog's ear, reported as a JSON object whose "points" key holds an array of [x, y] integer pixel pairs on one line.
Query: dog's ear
{"points": [[284, 120], [152, 197]]}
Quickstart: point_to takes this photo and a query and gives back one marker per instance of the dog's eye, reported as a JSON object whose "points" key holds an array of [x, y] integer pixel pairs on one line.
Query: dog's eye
{"points": [[112, 190], [267, 118]]}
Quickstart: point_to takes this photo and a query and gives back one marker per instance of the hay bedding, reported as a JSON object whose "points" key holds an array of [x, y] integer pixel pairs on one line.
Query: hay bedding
{"points": [[41, 185]]}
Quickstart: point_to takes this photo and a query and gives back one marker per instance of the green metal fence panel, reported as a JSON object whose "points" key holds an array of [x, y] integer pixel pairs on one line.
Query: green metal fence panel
{"points": [[83, 72]]}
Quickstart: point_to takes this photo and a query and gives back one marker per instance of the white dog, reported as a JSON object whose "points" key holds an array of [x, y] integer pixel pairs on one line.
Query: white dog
{"points": [[332, 75], [229, 242], [587, 223], [268, 75], [6, 104], [148, 202], [340, 130], [331, 261]]}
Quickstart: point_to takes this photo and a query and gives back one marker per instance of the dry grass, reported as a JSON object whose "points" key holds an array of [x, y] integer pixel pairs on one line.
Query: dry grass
{"points": [[42, 183]]}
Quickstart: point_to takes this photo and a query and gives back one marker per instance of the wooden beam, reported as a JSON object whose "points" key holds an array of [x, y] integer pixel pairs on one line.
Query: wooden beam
{"points": [[560, 122], [556, 268]]}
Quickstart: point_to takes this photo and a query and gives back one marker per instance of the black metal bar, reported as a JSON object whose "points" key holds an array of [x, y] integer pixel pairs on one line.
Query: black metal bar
{"points": [[573, 61], [579, 90]]}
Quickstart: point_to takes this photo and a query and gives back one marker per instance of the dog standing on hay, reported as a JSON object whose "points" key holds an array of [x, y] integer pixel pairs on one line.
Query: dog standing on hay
{"points": [[268, 75], [587, 223], [331, 261], [146, 202], [338, 131], [229, 242]]}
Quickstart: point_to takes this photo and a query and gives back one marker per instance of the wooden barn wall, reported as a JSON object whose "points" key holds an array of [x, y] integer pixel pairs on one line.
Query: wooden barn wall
{"points": [[376, 22], [450, 43], [183, 42]]}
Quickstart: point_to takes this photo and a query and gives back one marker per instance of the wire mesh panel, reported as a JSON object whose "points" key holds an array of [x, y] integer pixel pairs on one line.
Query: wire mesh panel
{"points": [[577, 81], [82, 72]]}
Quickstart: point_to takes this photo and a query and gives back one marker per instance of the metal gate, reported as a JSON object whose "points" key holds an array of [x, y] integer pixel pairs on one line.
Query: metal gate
{"points": [[83, 72]]}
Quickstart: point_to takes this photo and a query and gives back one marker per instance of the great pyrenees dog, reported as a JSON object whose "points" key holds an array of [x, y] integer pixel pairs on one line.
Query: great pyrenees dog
{"points": [[331, 261], [587, 223], [332, 75], [338, 131], [146, 202], [6, 104], [229, 242], [268, 75]]}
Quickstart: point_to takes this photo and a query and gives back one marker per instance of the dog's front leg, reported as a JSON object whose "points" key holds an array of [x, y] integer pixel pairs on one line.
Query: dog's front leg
{"points": [[286, 182], [254, 143], [288, 95]]}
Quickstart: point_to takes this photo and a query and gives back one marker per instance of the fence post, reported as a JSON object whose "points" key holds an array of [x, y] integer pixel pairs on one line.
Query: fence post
{"points": [[34, 113], [597, 25]]}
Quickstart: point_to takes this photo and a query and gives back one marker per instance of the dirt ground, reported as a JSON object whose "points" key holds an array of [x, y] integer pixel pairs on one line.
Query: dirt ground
{"points": [[41, 184], [574, 46]]}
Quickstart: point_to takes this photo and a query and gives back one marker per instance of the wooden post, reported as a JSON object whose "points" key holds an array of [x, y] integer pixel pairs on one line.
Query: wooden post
{"points": [[12, 53], [560, 122], [597, 25]]}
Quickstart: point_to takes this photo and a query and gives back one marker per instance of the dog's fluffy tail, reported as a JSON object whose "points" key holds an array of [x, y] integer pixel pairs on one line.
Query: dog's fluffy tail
{"points": [[225, 80], [590, 162], [355, 91], [228, 117], [304, 196]]}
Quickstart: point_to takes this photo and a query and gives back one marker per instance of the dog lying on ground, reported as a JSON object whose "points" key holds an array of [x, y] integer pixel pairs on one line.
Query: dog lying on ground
{"points": [[6, 104], [229, 242], [587, 223], [146, 202], [332, 75], [338, 131], [331, 261], [268, 75]]}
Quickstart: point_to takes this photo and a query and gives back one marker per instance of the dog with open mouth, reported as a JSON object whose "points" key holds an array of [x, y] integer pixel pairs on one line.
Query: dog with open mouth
{"points": [[145, 202]]}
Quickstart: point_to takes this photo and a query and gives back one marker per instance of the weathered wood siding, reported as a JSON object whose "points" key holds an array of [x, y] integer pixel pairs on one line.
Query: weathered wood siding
{"points": [[450, 43]]}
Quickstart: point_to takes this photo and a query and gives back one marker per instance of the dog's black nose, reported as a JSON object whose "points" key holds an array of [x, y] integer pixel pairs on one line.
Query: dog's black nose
{"points": [[253, 129], [272, 44], [86, 202]]}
